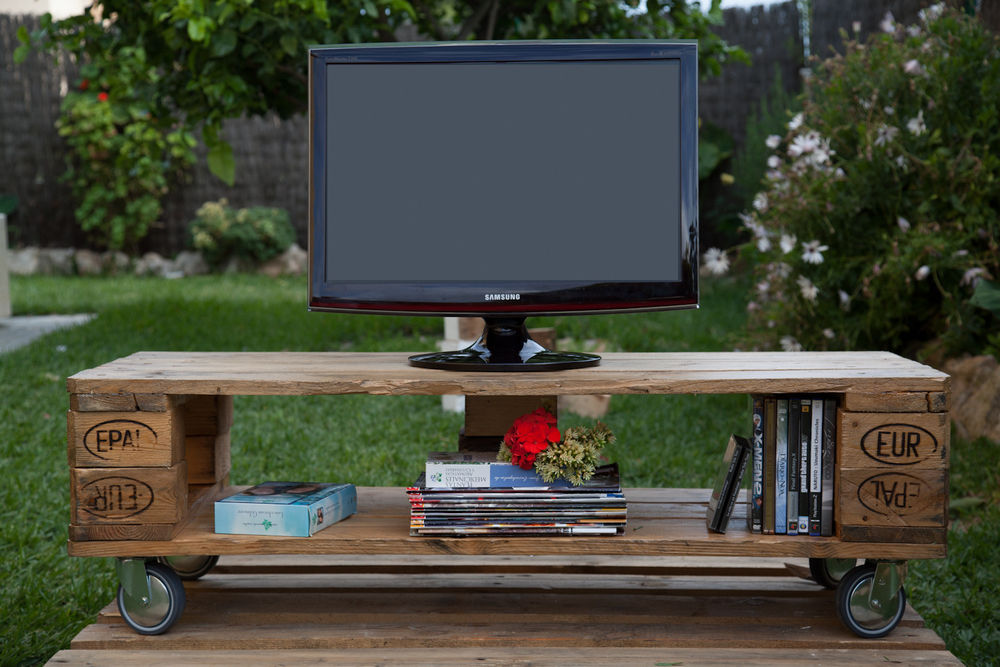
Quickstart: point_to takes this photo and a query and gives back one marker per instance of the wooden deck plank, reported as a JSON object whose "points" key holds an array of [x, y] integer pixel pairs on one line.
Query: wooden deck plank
{"points": [[674, 527], [569, 636], [507, 655], [755, 614]]}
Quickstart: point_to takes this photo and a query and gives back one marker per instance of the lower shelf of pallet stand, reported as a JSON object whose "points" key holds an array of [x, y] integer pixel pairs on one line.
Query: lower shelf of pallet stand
{"points": [[542, 611], [661, 522]]}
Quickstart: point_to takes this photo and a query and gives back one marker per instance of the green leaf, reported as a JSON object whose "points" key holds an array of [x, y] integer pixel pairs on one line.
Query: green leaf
{"points": [[224, 43], [197, 28], [987, 295], [221, 162], [247, 22], [21, 53], [289, 44], [8, 203], [22, 35]]}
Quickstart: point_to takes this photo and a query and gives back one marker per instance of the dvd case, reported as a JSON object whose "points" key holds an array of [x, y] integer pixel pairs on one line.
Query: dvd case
{"points": [[727, 483]]}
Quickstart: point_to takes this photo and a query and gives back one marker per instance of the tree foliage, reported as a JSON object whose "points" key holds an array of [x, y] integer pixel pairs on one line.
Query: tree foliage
{"points": [[204, 62]]}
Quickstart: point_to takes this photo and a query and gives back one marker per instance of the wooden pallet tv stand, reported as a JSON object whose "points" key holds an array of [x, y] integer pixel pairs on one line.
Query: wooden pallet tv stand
{"points": [[149, 452]]}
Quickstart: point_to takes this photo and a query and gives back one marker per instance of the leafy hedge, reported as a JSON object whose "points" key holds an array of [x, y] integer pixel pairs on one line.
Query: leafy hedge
{"points": [[879, 215]]}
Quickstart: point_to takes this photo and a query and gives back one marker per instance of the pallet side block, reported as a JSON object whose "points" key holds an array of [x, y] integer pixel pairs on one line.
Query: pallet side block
{"points": [[115, 496], [125, 439], [893, 476]]}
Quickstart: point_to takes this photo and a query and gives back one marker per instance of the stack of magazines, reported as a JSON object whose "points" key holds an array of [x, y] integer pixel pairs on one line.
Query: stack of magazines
{"points": [[595, 508]]}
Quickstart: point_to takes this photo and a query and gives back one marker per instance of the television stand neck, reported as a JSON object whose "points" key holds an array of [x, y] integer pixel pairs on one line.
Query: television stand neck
{"points": [[505, 345]]}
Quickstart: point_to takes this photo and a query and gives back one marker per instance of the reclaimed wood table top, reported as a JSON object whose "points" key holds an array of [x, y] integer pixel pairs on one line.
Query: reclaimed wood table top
{"points": [[388, 373]]}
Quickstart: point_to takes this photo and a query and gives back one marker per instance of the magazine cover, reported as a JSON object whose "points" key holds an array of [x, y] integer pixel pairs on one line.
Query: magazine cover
{"points": [[290, 509], [478, 470]]}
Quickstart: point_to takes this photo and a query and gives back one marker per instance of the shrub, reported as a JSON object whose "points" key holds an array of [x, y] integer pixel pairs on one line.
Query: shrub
{"points": [[120, 159], [880, 214], [255, 234]]}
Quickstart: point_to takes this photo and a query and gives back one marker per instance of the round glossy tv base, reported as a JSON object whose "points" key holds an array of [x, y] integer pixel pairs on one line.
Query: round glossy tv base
{"points": [[467, 360], [505, 346]]}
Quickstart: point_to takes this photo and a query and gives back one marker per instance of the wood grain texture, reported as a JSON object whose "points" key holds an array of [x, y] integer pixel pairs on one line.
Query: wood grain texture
{"points": [[300, 373], [505, 656], [893, 440], [494, 415], [208, 458], [116, 496], [661, 523], [208, 415], [423, 618], [125, 439], [158, 402], [886, 401], [199, 498], [893, 498], [124, 402]]}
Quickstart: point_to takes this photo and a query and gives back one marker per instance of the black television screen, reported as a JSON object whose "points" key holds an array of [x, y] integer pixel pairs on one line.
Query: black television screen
{"points": [[503, 179]]}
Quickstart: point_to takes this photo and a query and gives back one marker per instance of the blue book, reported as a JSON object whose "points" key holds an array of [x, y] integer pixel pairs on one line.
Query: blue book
{"points": [[288, 509]]}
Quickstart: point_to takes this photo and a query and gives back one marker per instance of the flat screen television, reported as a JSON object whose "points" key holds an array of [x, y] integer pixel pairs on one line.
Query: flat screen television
{"points": [[502, 180]]}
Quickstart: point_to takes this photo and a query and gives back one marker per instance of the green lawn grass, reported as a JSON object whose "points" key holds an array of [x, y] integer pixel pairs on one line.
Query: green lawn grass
{"points": [[662, 440]]}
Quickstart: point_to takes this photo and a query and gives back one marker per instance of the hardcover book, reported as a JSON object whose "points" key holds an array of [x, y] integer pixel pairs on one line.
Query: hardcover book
{"points": [[289, 509], [728, 483]]}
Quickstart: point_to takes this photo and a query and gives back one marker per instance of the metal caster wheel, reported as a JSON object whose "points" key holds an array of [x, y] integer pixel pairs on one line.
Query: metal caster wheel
{"points": [[828, 572], [152, 611], [189, 568], [871, 600]]}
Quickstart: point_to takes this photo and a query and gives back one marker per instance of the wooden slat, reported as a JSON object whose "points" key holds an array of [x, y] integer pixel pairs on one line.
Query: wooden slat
{"points": [[886, 401], [265, 612], [297, 373], [418, 632], [386, 532], [674, 566], [506, 655], [123, 402], [436, 618]]}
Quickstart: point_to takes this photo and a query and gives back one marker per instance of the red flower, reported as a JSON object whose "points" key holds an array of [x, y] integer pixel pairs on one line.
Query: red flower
{"points": [[530, 435], [85, 84], [102, 97]]}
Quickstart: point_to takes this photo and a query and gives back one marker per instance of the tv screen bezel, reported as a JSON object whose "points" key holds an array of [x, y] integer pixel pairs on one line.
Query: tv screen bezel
{"points": [[513, 296]]}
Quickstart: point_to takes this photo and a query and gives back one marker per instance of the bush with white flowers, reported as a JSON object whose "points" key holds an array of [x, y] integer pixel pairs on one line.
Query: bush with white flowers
{"points": [[880, 211]]}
